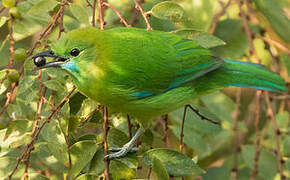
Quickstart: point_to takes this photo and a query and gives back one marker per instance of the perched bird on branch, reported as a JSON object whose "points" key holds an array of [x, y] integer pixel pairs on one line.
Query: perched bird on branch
{"points": [[148, 73]]}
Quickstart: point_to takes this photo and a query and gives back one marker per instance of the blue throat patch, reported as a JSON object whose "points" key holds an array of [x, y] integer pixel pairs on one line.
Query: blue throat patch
{"points": [[70, 66]]}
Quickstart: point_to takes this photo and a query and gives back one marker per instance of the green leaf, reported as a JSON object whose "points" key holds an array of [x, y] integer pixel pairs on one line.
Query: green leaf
{"points": [[159, 169], [81, 153], [204, 39], [286, 146], [17, 133], [19, 127], [207, 40], [56, 142], [175, 163], [117, 138], [40, 10], [25, 28], [80, 14], [75, 103], [37, 176], [231, 32], [199, 13], [87, 177], [168, 10], [285, 59], [97, 165], [7, 164], [120, 170], [54, 85], [217, 173], [274, 14], [4, 86], [220, 105], [267, 165], [3, 20]]}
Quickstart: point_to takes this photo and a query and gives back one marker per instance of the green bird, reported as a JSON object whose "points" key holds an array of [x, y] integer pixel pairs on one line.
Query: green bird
{"points": [[148, 73]]}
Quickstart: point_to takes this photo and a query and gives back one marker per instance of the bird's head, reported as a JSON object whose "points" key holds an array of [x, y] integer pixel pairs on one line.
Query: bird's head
{"points": [[74, 52]]}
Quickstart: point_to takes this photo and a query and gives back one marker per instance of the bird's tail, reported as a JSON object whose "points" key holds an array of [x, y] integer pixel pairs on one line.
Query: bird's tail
{"points": [[245, 74], [241, 74]]}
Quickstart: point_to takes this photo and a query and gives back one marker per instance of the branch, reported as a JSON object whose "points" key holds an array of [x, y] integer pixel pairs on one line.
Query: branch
{"points": [[106, 129], [202, 116], [11, 59], [118, 14], [248, 32], [30, 146], [275, 43], [144, 14], [257, 141], [182, 128], [101, 15], [218, 15], [277, 134], [235, 129], [129, 126], [89, 4]]}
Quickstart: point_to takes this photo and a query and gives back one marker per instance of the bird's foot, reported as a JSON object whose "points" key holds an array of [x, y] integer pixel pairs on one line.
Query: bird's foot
{"points": [[121, 152]]}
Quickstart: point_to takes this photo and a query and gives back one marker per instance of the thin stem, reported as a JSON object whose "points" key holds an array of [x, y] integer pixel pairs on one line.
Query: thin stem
{"points": [[236, 132], [166, 137], [30, 146], [129, 126], [182, 128], [254, 172], [218, 16], [118, 14], [106, 130], [277, 134], [248, 32], [144, 14], [101, 15], [275, 43], [202, 116]]}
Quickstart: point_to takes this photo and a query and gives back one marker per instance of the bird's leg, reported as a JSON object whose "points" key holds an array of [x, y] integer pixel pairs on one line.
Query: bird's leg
{"points": [[128, 147]]}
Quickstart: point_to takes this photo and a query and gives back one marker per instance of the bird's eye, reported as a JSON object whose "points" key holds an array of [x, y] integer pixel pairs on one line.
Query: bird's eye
{"points": [[75, 52]]}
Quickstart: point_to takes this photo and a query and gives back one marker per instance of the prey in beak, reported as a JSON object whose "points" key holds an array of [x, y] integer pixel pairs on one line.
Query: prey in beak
{"points": [[40, 60]]}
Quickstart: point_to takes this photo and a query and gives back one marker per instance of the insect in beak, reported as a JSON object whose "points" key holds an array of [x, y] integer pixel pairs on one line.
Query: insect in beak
{"points": [[40, 60]]}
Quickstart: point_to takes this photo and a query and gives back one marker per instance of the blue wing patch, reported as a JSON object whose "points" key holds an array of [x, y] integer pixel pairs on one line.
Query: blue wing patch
{"points": [[142, 94]]}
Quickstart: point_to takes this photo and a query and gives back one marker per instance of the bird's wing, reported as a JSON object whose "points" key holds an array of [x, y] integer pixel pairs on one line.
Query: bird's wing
{"points": [[154, 62]]}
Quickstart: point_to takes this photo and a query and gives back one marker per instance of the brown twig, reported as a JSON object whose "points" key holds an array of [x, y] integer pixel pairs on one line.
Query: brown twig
{"points": [[47, 30], [2, 9], [118, 14], [89, 4], [248, 32], [61, 10], [181, 144], [42, 91], [235, 129], [11, 59], [149, 173], [196, 111], [277, 134], [30, 146], [144, 14], [275, 43], [257, 140], [106, 130], [44, 34], [101, 15], [165, 128], [129, 126], [218, 16]]}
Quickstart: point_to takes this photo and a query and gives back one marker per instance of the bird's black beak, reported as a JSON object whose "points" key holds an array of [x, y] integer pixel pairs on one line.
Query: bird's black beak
{"points": [[40, 61]]}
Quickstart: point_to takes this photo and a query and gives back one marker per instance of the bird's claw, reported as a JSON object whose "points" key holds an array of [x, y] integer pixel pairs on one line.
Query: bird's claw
{"points": [[120, 152]]}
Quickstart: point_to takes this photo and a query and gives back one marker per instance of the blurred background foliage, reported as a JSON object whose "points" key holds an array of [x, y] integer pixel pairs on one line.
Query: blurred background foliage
{"points": [[70, 146]]}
